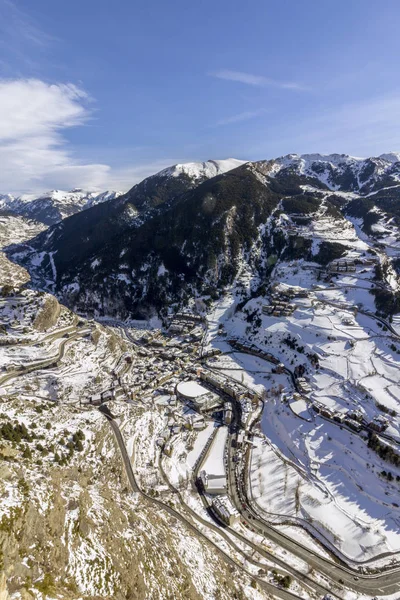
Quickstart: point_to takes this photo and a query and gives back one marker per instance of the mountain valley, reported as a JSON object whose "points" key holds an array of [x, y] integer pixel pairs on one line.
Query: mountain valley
{"points": [[199, 385]]}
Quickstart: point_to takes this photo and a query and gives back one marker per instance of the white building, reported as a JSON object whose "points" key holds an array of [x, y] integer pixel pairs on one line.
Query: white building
{"points": [[201, 397], [213, 484], [240, 438], [303, 385], [225, 510], [213, 474], [227, 413]]}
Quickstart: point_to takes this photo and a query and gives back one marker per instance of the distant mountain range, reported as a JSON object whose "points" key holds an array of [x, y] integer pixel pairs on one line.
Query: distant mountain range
{"points": [[343, 172], [193, 228], [52, 207]]}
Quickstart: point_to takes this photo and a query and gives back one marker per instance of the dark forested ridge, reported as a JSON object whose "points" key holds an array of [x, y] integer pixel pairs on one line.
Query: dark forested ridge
{"points": [[175, 235]]}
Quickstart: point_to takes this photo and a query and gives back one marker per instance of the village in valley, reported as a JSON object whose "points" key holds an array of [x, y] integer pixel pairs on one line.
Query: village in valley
{"points": [[267, 423]]}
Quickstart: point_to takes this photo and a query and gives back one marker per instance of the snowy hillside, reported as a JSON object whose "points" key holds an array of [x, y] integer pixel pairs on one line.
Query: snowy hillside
{"points": [[70, 524], [202, 170], [240, 333], [51, 207], [175, 233], [342, 172]]}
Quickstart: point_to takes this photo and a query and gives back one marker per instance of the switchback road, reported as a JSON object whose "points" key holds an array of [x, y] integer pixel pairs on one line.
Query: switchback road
{"points": [[272, 589]]}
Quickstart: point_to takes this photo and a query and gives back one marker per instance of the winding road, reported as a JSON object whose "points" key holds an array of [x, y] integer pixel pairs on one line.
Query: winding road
{"points": [[42, 364], [269, 587], [385, 583]]}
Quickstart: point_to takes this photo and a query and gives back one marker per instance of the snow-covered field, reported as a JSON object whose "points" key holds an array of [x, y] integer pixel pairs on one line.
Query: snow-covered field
{"points": [[310, 475], [310, 470], [317, 474]]}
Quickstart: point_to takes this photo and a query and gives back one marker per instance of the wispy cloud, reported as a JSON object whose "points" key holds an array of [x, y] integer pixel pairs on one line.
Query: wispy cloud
{"points": [[34, 154], [257, 80], [16, 26], [243, 116], [23, 43]]}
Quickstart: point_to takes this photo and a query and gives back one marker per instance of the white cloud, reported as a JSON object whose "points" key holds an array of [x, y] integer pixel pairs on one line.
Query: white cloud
{"points": [[35, 156], [31, 107], [256, 80], [243, 116], [33, 153]]}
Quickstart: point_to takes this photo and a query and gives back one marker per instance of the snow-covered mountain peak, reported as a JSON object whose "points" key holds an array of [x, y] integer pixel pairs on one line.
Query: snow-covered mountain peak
{"points": [[391, 157], [5, 199], [336, 160], [306, 160], [340, 172], [202, 170], [50, 207]]}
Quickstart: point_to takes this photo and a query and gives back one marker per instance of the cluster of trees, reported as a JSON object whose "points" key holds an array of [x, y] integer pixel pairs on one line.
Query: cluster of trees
{"points": [[386, 302], [313, 358], [329, 251], [254, 318], [15, 432], [77, 440], [283, 580], [385, 409], [363, 208], [74, 444], [293, 344], [386, 452], [39, 408], [301, 205], [396, 265], [298, 247], [388, 201], [7, 290], [344, 178], [388, 475], [332, 211], [380, 272]]}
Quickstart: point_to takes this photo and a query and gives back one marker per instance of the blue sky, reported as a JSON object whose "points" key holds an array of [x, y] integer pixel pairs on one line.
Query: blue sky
{"points": [[100, 94]]}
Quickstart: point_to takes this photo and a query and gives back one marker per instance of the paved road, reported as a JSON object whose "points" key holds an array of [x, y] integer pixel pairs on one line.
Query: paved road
{"points": [[385, 583], [46, 362], [299, 575], [275, 591], [395, 579], [49, 338], [382, 584], [222, 533], [367, 313]]}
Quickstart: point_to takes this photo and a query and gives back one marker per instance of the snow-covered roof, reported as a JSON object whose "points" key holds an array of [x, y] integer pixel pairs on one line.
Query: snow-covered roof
{"points": [[191, 389], [214, 463], [216, 483]]}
